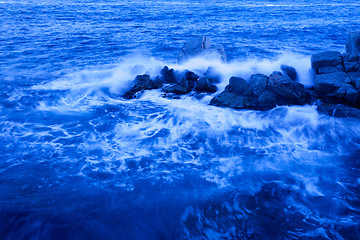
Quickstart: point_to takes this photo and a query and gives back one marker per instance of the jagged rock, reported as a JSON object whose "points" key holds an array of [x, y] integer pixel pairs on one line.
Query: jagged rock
{"points": [[201, 46], [351, 66], [336, 85], [335, 109], [290, 72], [141, 83], [176, 89], [168, 75], [278, 90], [261, 92], [353, 47], [190, 76], [204, 85], [327, 62], [234, 95]]}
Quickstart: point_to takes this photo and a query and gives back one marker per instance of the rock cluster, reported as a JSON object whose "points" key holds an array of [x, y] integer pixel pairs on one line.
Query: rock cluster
{"points": [[261, 92], [336, 75], [171, 83]]}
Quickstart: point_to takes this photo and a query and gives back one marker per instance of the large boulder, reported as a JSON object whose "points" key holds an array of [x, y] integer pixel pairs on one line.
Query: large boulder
{"points": [[168, 75], [336, 85], [201, 46], [327, 62], [278, 90], [353, 47], [141, 83], [290, 72], [204, 85], [236, 95]]}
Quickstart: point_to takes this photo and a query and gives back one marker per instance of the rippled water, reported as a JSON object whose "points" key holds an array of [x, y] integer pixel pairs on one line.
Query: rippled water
{"points": [[77, 161]]}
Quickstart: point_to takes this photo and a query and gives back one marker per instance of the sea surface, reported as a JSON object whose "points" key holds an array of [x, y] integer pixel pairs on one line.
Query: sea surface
{"points": [[77, 161]]}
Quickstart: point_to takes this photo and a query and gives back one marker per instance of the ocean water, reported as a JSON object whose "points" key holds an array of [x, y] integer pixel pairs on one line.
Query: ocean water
{"points": [[77, 161]]}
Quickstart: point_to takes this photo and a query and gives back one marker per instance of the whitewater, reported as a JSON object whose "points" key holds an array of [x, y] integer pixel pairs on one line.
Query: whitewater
{"points": [[78, 161]]}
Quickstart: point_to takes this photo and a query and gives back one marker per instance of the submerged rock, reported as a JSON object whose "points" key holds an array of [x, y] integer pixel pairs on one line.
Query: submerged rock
{"points": [[201, 46]]}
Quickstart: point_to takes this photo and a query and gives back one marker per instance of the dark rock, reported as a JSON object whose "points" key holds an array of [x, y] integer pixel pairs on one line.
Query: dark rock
{"points": [[157, 83], [326, 70], [335, 109], [201, 46], [353, 47], [237, 85], [325, 60], [279, 90], [168, 75], [351, 66], [190, 76], [141, 83], [336, 85], [290, 72], [204, 85], [257, 79], [175, 88], [261, 92]]}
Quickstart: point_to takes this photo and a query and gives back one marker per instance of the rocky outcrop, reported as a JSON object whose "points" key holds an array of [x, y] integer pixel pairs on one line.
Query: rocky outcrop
{"points": [[337, 76], [141, 83], [261, 92], [201, 46]]}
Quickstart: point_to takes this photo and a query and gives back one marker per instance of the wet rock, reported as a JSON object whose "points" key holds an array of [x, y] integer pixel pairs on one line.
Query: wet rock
{"points": [[353, 47], [261, 92], [191, 78], [234, 95], [290, 72], [278, 90], [168, 75], [326, 62], [176, 89], [351, 66], [201, 46], [335, 109], [336, 85], [204, 85], [141, 83]]}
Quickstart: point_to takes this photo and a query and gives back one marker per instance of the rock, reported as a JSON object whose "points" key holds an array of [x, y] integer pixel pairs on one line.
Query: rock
{"points": [[175, 88], [201, 46], [168, 75], [335, 109], [353, 47], [204, 85], [279, 90], [141, 83], [190, 76], [351, 66], [237, 85], [330, 60], [290, 72], [336, 85], [261, 92]]}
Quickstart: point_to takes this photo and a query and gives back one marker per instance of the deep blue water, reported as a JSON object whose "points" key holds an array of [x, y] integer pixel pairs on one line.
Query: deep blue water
{"points": [[77, 161]]}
